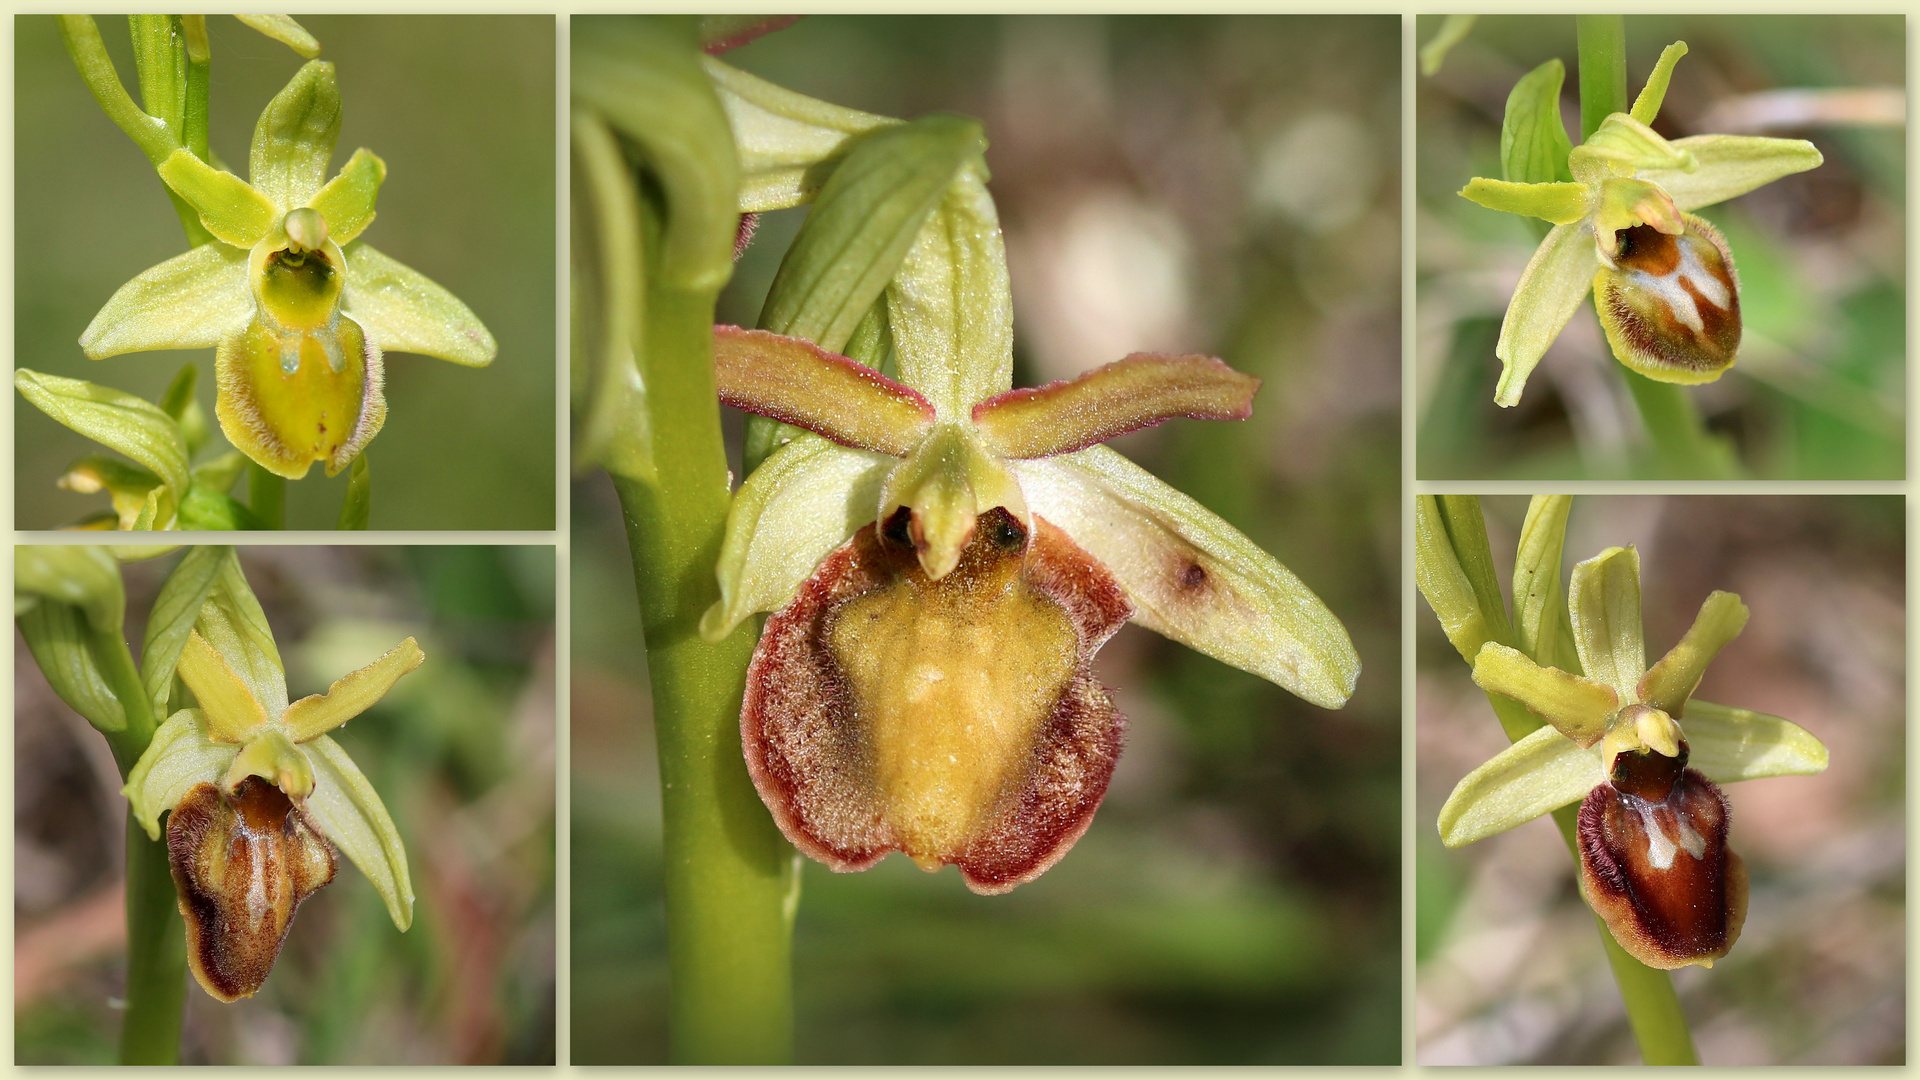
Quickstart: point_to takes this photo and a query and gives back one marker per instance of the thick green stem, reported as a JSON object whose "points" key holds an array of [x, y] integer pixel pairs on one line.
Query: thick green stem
{"points": [[732, 880], [1603, 69], [156, 955], [267, 496]]}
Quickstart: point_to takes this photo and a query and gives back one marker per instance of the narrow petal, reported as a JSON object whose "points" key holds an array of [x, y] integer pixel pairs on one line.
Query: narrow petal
{"points": [[283, 29], [133, 426], [955, 720], [293, 140], [230, 209], [800, 504], [405, 312], [1647, 105], [1728, 744], [786, 141], [1557, 278], [1560, 203], [351, 694], [1138, 392], [1578, 708], [347, 201], [1603, 602], [1537, 775], [950, 306], [1669, 683], [1730, 165], [799, 383], [180, 757], [233, 713], [191, 301], [347, 809], [1192, 576]]}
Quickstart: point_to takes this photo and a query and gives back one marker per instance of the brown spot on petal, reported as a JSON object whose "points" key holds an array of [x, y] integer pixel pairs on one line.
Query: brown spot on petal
{"points": [[1659, 873], [242, 865], [957, 721]]}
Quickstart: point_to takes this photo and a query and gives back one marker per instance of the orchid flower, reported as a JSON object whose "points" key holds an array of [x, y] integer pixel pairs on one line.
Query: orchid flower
{"points": [[945, 555], [1663, 279]]}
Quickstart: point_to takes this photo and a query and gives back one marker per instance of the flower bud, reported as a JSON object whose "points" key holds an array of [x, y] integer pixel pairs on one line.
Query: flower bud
{"points": [[242, 865], [1670, 303], [1654, 862]]}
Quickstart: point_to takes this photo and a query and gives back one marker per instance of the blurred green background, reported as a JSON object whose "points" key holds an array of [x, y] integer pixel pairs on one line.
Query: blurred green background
{"points": [[462, 754], [462, 111], [1225, 185], [1820, 388], [1510, 967]]}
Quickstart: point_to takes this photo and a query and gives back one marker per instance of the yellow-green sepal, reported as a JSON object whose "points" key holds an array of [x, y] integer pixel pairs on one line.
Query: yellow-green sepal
{"points": [[194, 300], [1537, 775], [1556, 280], [1728, 744], [1578, 708], [294, 137], [344, 806], [346, 202], [180, 757], [787, 143], [403, 311], [1603, 602]]}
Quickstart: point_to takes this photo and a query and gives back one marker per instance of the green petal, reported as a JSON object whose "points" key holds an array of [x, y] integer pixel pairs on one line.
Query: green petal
{"points": [[803, 502], [1556, 280], [179, 757], [351, 694], [191, 301], [1533, 137], [788, 143], [1728, 744], [1537, 775], [1603, 603], [950, 305], [346, 203], [293, 140], [1192, 576], [345, 807], [233, 623], [284, 30], [1578, 708], [1562, 204], [230, 209], [1138, 392], [1730, 165], [171, 621], [1647, 105], [1539, 601], [1669, 683], [133, 426], [405, 312]]}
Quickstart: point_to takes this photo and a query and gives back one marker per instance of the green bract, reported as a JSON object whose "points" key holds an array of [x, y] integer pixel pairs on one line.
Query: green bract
{"points": [[1668, 295], [299, 310]]}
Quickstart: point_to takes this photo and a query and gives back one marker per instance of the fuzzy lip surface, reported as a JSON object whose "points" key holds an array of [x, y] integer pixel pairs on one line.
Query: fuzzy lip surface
{"points": [[957, 721]]}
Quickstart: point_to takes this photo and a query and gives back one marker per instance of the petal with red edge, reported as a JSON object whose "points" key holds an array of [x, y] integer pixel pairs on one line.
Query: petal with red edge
{"points": [[1140, 391]]}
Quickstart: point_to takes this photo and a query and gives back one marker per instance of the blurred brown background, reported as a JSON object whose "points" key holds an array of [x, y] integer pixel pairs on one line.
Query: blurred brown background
{"points": [[1510, 964], [461, 753]]}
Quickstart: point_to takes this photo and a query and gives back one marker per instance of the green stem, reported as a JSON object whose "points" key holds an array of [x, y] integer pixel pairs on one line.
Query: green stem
{"points": [[193, 122], [267, 496], [1603, 69], [732, 880], [156, 955]]}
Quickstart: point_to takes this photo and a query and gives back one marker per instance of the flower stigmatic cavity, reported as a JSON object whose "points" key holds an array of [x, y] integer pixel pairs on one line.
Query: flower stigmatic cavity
{"points": [[298, 308], [258, 796], [946, 554], [1663, 278]]}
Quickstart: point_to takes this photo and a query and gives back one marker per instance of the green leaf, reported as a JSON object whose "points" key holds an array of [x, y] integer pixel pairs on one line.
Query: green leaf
{"points": [[1539, 601], [294, 138], [788, 143], [1533, 138], [58, 637], [350, 813], [1556, 281], [210, 510], [180, 757], [283, 29], [179, 403], [228, 206], [1537, 775], [1728, 744], [1671, 681], [233, 623], [133, 426], [950, 305], [1604, 607], [402, 311], [85, 576], [1647, 105], [346, 203], [171, 620], [1578, 708], [1560, 203], [191, 301], [358, 503], [1467, 622], [608, 295]]}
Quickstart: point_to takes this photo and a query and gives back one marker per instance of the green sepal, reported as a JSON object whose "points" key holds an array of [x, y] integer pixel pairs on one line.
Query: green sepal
{"points": [[180, 403], [403, 311], [195, 300], [1537, 775], [346, 202], [1647, 105], [59, 639], [1728, 744], [358, 503], [1453, 568], [1539, 602], [180, 757], [787, 143], [350, 813], [950, 305], [1533, 137], [131, 425], [294, 138], [1729, 165], [1557, 279], [233, 623], [283, 29], [170, 622], [1624, 146], [1560, 203], [608, 299], [1603, 604], [1452, 32]]}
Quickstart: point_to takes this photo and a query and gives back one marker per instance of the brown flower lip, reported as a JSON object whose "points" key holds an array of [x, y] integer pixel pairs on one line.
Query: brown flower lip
{"points": [[1654, 862], [242, 866], [955, 720]]}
